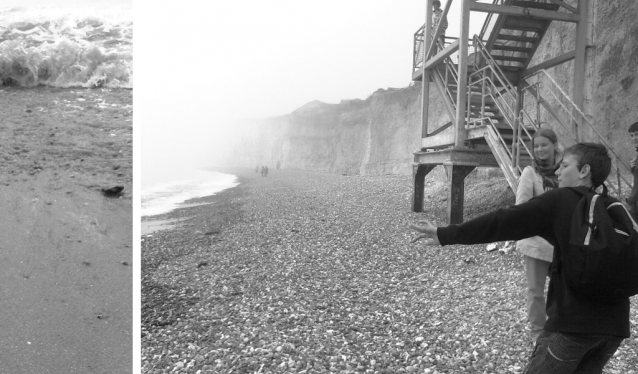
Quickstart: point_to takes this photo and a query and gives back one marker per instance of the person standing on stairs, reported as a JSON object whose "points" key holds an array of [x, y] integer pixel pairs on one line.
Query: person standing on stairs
{"points": [[536, 251], [437, 16]]}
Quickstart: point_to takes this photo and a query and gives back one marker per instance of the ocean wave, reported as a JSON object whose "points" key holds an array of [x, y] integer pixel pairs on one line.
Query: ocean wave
{"points": [[66, 47], [166, 196]]}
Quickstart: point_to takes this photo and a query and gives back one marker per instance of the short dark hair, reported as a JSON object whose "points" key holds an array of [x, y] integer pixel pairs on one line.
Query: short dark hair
{"points": [[596, 156], [634, 127]]}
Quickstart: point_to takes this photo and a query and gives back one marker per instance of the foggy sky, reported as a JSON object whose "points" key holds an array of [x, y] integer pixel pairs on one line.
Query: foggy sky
{"points": [[198, 67]]}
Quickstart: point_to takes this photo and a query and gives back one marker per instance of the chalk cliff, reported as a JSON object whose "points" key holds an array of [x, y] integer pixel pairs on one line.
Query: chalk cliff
{"points": [[379, 135], [373, 136]]}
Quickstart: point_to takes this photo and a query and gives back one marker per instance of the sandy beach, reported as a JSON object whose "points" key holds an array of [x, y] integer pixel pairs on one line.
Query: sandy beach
{"points": [[312, 272], [65, 251]]}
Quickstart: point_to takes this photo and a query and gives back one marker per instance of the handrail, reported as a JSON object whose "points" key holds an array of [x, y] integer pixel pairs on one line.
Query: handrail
{"points": [[500, 97], [493, 88], [417, 58], [581, 120], [490, 61], [488, 19]]}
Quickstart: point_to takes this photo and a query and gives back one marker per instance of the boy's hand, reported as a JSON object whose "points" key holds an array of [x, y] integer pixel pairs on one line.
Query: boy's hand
{"points": [[427, 231]]}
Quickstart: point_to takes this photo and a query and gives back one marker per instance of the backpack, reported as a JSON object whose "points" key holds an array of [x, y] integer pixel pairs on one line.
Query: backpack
{"points": [[602, 260]]}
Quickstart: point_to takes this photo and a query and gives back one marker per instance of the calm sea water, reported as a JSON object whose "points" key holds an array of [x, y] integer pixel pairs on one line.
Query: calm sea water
{"points": [[67, 46], [162, 196]]}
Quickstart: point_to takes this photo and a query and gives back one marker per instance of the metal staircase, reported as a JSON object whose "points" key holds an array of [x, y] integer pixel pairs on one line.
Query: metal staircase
{"points": [[495, 75], [513, 40], [490, 116], [507, 100]]}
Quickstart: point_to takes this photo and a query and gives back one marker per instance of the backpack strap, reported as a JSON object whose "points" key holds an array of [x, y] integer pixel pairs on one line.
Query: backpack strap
{"points": [[631, 218], [590, 218], [580, 191]]}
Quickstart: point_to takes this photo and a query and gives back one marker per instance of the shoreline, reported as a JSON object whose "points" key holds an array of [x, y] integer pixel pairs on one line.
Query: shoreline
{"points": [[170, 220]]}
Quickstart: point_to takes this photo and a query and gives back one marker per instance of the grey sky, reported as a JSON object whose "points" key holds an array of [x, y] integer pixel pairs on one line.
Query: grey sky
{"points": [[198, 67]]}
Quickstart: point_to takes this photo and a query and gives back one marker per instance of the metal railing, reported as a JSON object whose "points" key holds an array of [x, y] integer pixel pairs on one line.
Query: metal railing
{"points": [[418, 50], [490, 22], [550, 104], [489, 81]]}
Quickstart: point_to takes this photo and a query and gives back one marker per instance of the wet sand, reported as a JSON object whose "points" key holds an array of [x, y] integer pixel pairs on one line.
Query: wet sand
{"points": [[65, 248]]}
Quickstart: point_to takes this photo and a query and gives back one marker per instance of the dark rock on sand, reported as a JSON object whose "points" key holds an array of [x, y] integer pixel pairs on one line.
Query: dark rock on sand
{"points": [[113, 191]]}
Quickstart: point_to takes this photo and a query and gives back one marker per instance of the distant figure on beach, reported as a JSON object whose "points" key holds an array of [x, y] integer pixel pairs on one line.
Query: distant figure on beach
{"points": [[265, 171], [537, 252], [278, 164], [632, 200], [437, 14], [257, 169]]}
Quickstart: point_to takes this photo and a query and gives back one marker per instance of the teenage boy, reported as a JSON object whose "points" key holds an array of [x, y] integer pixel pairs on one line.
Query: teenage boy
{"points": [[580, 335], [632, 200]]}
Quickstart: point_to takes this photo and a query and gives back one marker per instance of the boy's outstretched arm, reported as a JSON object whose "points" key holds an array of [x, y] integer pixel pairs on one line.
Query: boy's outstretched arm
{"points": [[427, 231]]}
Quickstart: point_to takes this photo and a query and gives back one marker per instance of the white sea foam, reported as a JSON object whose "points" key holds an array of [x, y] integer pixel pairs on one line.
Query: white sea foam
{"points": [[164, 197], [67, 46]]}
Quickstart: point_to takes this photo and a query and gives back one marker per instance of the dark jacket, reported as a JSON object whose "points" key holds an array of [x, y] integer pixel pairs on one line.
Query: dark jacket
{"points": [[549, 216]]}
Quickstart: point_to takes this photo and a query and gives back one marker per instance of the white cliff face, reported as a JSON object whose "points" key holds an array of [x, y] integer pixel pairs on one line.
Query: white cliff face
{"points": [[380, 134], [374, 136]]}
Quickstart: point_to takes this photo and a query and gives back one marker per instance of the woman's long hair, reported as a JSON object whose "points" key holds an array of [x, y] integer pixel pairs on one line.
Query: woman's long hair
{"points": [[546, 170]]}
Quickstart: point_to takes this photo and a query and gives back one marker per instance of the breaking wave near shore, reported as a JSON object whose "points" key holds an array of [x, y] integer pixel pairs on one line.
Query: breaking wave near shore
{"points": [[66, 47], [164, 197]]}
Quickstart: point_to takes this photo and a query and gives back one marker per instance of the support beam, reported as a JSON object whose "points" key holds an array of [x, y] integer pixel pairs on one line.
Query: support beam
{"points": [[439, 57], [461, 92], [419, 172], [425, 74], [550, 63], [579, 62], [564, 5], [456, 176], [546, 105], [524, 12], [516, 143], [449, 106]]}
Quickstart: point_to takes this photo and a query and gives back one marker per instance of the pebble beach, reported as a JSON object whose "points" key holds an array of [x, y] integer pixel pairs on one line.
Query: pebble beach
{"points": [[314, 273]]}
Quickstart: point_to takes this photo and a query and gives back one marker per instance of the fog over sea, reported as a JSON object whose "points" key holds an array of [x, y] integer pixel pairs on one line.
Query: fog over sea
{"points": [[67, 46], [164, 193]]}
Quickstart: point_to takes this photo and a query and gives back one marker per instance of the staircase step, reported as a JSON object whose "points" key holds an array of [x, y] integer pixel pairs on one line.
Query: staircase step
{"points": [[494, 117], [536, 5], [510, 48], [509, 58], [477, 100], [517, 38], [524, 24]]}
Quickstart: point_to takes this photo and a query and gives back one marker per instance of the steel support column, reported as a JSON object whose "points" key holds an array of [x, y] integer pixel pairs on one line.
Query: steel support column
{"points": [[579, 62], [425, 75], [419, 172], [456, 177], [461, 95]]}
